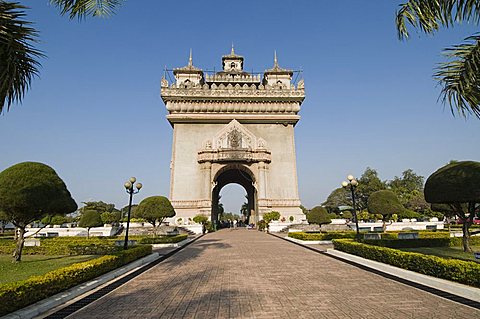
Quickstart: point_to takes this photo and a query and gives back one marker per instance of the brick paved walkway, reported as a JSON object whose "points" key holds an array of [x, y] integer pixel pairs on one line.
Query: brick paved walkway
{"points": [[248, 274]]}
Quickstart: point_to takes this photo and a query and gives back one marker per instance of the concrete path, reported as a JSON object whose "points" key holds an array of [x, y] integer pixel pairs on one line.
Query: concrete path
{"points": [[248, 274]]}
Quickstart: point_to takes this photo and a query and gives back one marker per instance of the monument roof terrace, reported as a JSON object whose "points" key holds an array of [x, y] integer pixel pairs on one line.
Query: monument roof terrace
{"points": [[276, 93]]}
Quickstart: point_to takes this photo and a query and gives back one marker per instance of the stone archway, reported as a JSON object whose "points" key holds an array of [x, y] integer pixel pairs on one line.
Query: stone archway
{"points": [[230, 123], [237, 174]]}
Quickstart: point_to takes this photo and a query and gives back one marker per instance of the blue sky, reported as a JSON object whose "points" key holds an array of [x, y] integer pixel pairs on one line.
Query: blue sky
{"points": [[96, 117]]}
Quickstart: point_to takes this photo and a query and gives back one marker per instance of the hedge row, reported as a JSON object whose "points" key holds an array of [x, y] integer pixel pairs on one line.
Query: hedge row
{"points": [[339, 235], [321, 236], [161, 239], [65, 246], [457, 241], [409, 243], [464, 272], [20, 294]]}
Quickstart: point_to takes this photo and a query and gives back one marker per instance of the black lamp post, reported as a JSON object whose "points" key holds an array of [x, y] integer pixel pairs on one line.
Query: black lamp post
{"points": [[130, 190], [351, 185]]}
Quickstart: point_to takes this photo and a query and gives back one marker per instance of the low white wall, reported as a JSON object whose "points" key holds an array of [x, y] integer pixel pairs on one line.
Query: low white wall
{"points": [[401, 225], [67, 232], [196, 228], [276, 226]]}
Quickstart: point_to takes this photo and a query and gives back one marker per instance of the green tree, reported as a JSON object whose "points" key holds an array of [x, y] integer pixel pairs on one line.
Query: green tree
{"points": [[3, 221], [28, 191], [124, 211], [89, 219], [338, 197], [111, 218], [384, 203], [409, 189], [347, 214], [458, 76], [457, 186], [368, 183], [18, 56], [200, 219], [318, 215], [99, 206], [273, 215], [155, 209], [54, 220]]}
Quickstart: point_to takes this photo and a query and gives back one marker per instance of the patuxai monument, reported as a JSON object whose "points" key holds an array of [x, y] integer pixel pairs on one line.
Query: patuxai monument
{"points": [[237, 127]]}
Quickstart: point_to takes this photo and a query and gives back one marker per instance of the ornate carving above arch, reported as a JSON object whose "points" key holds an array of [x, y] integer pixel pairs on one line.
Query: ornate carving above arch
{"points": [[234, 143]]}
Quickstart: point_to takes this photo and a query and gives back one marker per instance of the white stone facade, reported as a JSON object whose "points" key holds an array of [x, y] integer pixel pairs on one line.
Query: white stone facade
{"points": [[233, 127]]}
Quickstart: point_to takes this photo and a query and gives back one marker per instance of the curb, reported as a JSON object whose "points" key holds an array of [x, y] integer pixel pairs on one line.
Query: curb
{"points": [[173, 245], [450, 287], [49, 303], [428, 283], [307, 242]]}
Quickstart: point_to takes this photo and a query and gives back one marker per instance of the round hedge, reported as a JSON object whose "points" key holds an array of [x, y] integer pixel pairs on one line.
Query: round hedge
{"points": [[155, 208], [318, 215], [455, 182], [31, 190], [385, 203]]}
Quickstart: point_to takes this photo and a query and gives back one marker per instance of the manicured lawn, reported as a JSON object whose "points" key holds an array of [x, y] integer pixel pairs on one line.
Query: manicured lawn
{"points": [[446, 252], [32, 265]]}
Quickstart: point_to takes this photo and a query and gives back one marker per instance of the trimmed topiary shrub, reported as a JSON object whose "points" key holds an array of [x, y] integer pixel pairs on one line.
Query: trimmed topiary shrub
{"points": [[318, 215], [155, 209], [464, 272], [456, 185], [384, 203], [29, 191], [20, 294], [273, 215], [89, 219]]}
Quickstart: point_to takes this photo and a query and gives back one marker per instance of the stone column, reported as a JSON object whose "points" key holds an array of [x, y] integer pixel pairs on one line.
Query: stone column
{"points": [[262, 180], [207, 178]]}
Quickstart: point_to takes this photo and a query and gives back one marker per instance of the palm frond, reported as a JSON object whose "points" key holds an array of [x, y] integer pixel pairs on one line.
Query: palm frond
{"points": [[429, 15], [82, 8], [18, 57], [460, 77]]}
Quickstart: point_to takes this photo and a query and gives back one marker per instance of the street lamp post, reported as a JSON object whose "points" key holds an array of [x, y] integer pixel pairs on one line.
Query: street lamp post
{"points": [[130, 190], [351, 185]]}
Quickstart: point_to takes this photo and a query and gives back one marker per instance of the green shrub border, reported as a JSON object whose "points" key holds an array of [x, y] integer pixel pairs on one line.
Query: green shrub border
{"points": [[65, 246], [161, 239], [465, 272], [14, 296], [321, 236], [409, 243]]}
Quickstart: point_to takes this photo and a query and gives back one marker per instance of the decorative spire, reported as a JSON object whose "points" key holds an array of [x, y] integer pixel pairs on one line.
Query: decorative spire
{"points": [[275, 61], [190, 61], [233, 50]]}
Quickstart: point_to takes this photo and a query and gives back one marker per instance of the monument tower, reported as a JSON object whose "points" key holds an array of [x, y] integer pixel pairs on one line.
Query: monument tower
{"points": [[233, 127]]}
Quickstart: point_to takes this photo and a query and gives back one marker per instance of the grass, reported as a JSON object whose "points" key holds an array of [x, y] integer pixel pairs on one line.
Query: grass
{"points": [[32, 265], [446, 252]]}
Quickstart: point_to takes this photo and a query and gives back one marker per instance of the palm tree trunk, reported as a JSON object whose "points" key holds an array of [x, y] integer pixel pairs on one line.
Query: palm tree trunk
{"points": [[17, 254]]}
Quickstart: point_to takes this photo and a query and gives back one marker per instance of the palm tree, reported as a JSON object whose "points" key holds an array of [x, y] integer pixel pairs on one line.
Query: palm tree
{"points": [[459, 77], [18, 56]]}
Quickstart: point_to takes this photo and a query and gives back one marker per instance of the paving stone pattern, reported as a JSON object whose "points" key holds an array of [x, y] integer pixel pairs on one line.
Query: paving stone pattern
{"points": [[248, 274]]}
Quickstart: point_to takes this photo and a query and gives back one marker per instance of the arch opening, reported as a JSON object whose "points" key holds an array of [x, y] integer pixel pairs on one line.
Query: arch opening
{"points": [[235, 174]]}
